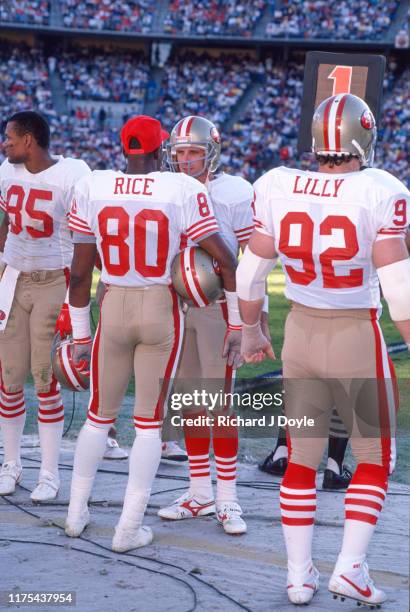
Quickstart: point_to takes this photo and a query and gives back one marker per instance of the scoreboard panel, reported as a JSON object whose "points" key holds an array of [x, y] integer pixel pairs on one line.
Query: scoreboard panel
{"points": [[329, 74]]}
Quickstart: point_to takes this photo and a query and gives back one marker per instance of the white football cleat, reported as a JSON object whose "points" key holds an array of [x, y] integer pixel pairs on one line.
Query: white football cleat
{"points": [[128, 539], [172, 452], [352, 580], [229, 514], [302, 586], [186, 507], [47, 487], [10, 475], [76, 522], [113, 450]]}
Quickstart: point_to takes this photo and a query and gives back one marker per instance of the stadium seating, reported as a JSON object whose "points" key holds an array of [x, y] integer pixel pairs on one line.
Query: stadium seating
{"points": [[263, 135], [115, 77], [362, 19], [199, 85], [25, 11], [124, 16], [204, 17]]}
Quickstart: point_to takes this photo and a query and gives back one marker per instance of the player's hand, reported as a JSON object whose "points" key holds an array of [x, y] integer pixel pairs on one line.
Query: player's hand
{"points": [[82, 355], [63, 323], [232, 347], [100, 292], [255, 346], [265, 326]]}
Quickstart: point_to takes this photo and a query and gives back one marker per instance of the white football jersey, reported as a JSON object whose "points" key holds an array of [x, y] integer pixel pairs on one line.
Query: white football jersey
{"points": [[232, 200], [138, 219], [37, 206], [324, 226]]}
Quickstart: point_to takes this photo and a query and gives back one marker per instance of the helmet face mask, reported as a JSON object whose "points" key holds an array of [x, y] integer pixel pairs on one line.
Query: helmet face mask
{"points": [[344, 125], [194, 132]]}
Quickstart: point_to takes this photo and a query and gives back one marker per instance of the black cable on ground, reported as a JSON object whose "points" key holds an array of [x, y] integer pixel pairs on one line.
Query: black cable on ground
{"points": [[71, 418], [101, 556], [142, 557], [260, 484]]}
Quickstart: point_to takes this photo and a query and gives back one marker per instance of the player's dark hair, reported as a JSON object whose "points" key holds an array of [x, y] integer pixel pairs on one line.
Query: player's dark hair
{"points": [[30, 122], [334, 160]]}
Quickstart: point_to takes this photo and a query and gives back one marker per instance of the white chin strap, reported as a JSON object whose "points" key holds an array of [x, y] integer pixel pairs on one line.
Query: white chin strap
{"points": [[251, 275]]}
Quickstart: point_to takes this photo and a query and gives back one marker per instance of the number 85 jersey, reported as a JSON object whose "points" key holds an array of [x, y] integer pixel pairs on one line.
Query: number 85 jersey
{"points": [[137, 220], [324, 226], [37, 206]]}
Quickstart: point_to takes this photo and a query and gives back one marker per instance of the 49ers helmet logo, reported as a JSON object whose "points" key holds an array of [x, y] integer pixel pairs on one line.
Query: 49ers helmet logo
{"points": [[2, 315], [215, 135], [367, 120]]}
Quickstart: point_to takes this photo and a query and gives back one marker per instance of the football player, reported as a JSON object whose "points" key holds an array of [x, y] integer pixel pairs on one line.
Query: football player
{"points": [[36, 191], [194, 149], [338, 232], [134, 219]]}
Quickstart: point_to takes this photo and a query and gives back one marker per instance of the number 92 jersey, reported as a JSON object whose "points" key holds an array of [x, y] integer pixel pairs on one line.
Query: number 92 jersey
{"points": [[324, 226], [137, 220], [37, 206]]}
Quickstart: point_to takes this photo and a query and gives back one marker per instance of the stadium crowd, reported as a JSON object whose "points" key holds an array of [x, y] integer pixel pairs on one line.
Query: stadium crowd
{"points": [[117, 76], [25, 11], [362, 19], [122, 16], [195, 84], [213, 17], [24, 80], [264, 135]]}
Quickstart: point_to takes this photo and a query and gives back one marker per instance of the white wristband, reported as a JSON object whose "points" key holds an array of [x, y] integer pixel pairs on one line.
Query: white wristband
{"points": [[265, 307], [234, 318], [80, 322]]}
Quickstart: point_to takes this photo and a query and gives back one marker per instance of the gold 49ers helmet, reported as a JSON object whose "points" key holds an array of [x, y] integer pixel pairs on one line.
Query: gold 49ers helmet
{"points": [[343, 125], [195, 277], [199, 132], [64, 368]]}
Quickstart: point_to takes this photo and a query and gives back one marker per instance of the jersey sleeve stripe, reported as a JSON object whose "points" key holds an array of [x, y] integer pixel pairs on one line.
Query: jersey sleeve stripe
{"points": [[244, 229], [199, 228], [393, 230], [210, 229], [198, 223], [78, 220], [3, 205], [79, 228]]}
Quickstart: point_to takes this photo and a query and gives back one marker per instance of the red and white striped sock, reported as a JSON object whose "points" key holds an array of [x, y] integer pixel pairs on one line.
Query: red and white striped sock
{"points": [[298, 507], [225, 442], [197, 443], [12, 420], [363, 504], [50, 428]]}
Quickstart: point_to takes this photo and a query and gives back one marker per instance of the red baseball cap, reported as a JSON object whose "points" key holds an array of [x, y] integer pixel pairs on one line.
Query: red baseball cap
{"points": [[146, 130]]}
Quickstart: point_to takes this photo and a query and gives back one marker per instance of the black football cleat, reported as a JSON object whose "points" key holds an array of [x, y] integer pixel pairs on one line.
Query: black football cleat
{"points": [[335, 482], [275, 468]]}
